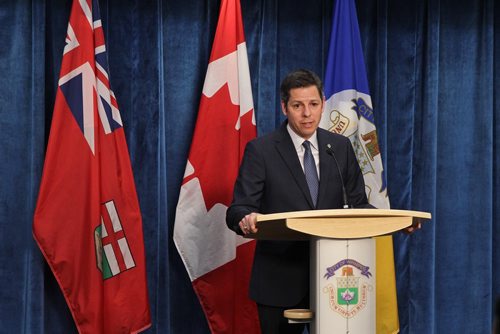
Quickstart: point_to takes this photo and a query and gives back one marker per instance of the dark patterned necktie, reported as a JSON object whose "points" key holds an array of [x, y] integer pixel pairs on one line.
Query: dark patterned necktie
{"points": [[311, 172]]}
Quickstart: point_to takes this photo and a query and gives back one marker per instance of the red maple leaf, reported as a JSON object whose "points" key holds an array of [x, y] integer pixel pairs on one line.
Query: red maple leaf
{"points": [[218, 146]]}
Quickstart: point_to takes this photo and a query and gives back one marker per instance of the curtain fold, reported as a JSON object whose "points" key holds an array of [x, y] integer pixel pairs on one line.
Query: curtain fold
{"points": [[496, 155], [434, 75], [423, 177]]}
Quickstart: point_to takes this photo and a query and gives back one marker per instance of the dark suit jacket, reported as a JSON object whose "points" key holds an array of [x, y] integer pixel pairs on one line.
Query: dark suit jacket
{"points": [[271, 180]]}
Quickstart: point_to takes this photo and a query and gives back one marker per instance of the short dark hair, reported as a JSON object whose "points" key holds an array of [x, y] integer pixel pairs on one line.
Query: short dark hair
{"points": [[299, 79]]}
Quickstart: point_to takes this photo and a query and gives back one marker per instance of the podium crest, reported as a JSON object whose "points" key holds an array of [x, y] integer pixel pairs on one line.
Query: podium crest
{"points": [[347, 288], [349, 295]]}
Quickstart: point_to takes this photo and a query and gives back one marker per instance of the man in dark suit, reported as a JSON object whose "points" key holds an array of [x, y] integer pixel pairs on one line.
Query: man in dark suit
{"points": [[281, 173]]}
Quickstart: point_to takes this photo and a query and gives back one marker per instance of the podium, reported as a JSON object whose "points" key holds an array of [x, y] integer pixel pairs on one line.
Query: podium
{"points": [[343, 268]]}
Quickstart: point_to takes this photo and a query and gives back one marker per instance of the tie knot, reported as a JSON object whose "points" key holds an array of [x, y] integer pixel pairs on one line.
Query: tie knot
{"points": [[307, 144]]}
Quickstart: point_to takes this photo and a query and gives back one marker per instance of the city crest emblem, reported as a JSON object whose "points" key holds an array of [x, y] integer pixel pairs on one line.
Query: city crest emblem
{"points": [[349, 295], [347, 288]]}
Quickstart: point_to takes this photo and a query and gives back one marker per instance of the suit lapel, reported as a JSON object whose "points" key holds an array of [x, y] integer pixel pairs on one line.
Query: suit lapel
{"points": [[285, 147], [325, 167]]}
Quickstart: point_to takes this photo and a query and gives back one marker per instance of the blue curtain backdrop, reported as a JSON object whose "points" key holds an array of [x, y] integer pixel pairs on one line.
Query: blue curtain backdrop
{"points": [[433, 69]]}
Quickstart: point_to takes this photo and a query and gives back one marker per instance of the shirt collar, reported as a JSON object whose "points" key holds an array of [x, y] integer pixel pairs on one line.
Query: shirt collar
{"points": [[298, 140]]}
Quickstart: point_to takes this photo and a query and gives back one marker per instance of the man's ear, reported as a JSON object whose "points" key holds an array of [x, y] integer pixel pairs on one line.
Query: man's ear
{"points": [[283, 108]]}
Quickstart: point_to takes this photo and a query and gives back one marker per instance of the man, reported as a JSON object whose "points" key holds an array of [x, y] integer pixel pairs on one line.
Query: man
{"points": [[291, 169]]}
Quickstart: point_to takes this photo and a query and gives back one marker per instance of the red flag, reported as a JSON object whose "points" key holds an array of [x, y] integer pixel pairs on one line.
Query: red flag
{"points": [[87, 220], [217, 260]]}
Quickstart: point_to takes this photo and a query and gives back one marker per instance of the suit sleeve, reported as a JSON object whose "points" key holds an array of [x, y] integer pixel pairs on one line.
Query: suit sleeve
{"points": [[248, 188], [355, 184]]}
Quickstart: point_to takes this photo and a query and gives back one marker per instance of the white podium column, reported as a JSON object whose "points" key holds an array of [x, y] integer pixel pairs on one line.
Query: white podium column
{"points": [[343, 286]]}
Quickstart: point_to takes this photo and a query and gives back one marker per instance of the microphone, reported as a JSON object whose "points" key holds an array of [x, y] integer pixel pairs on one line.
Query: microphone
{"points": [[329, 150]]}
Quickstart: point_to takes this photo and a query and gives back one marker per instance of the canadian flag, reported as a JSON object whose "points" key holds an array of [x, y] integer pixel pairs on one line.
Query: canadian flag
{"points": [[217, 260]]}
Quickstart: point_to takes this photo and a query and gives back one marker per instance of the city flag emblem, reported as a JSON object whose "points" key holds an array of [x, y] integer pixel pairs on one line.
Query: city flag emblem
{"points": [[113, 254], [350, 114]]}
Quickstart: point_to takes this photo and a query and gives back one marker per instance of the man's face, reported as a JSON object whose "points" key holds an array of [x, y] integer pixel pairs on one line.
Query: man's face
{"points": [[303, 110]]}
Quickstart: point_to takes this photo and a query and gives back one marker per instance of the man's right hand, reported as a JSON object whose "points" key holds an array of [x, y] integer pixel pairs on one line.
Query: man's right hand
{"points": [[249, 224]]}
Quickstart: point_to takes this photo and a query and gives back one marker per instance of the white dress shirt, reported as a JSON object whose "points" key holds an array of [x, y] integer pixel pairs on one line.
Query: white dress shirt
{"points": [[298, 141]]}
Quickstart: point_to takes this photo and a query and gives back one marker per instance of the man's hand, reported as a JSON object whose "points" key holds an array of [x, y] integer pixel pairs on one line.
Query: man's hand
{"points": [[249, 223], [413, 228]]}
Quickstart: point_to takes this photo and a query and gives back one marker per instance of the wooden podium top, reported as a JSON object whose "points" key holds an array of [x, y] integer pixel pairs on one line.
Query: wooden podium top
{"points": [[336, 224]]}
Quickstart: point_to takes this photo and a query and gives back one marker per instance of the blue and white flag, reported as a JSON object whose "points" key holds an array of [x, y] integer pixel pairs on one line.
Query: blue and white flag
{"points": [[348, 111]]}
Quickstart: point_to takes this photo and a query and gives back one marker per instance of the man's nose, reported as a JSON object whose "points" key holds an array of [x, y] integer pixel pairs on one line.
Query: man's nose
{"points": [[307, 111]]}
